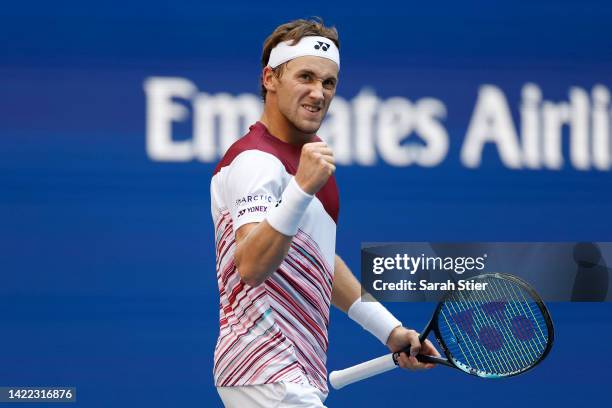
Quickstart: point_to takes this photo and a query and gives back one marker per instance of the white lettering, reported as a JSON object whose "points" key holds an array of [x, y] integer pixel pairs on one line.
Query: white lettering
{"points": [[220, 120], [395, 123], [601, 128], [554, 117], [396, 130], [579, 129], [491, 122], [431, 131], [161, 112], [531, 126], [365, 106]]}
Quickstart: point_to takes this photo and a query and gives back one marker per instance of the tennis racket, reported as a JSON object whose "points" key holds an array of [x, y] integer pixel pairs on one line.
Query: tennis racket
{"points": [[499, 331]]}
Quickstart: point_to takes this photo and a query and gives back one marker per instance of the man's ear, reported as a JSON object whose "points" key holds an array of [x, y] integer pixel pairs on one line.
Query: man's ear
{"points": [[269, 80]]}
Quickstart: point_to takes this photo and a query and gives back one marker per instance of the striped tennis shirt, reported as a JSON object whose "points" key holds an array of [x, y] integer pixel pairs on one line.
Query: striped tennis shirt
{"points": [[276, 331]]}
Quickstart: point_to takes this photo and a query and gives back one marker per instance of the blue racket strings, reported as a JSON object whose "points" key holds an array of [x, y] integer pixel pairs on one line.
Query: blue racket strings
{"points": [[495, 332]]}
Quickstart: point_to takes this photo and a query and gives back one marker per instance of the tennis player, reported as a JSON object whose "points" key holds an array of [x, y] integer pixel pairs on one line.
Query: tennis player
{"points": [[275, 208]]}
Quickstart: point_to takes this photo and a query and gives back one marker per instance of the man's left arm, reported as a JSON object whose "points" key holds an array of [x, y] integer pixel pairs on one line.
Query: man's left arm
{"points": [[372, 316]]}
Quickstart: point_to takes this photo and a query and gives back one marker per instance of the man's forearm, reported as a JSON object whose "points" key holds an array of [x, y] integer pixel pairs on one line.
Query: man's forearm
{"points": [[260, 250], [346, 289], [371, 315]]}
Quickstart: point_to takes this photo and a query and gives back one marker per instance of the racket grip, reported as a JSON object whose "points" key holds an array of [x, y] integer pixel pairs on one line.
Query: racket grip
{"points": [[340, 378], [434, 360]]}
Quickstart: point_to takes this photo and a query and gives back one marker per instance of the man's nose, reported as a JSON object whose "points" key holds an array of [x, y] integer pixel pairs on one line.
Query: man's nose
{"points": [[316, 90]]}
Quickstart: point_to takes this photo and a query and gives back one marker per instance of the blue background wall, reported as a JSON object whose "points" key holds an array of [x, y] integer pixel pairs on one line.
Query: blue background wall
{"points": [[107, 258]]}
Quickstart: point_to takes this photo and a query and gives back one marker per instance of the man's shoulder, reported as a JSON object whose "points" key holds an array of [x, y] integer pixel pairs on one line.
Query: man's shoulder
{"points": [[253, 142], [250, 141]]}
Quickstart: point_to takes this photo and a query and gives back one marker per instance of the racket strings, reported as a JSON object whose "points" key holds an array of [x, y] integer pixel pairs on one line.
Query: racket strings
{"points": [[467, 338], [518, 309], [490, 335], [474, 356], [480, 358], [470, 351], [477, 356], [519, 352], [497, 331], [523, 324], [508, 361]]}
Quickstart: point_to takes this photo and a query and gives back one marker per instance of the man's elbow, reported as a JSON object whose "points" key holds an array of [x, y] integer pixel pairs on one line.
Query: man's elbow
{"points": [[252, 280], [249, 274]]}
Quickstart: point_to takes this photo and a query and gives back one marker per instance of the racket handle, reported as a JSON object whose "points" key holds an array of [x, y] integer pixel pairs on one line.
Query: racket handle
{"points": [[434, 360], [340, 378]]}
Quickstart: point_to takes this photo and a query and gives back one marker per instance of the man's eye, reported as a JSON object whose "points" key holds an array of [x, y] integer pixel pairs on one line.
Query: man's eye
{"points": [[329, 84], [305, 77]]}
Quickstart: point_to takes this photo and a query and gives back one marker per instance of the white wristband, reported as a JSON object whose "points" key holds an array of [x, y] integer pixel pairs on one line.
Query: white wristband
{"points": [[286, 216], [375, 318]]}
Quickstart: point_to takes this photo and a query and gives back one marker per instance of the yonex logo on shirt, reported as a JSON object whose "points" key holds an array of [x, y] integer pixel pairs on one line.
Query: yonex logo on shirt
{"points": [[259, 208], [322, 45]]}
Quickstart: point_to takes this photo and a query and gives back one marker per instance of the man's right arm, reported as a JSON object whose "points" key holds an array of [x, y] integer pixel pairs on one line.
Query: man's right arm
{"points": [[261, 247]]}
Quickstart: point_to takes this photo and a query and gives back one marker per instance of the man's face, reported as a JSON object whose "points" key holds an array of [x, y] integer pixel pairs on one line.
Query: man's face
{"points": [[305, 90]]}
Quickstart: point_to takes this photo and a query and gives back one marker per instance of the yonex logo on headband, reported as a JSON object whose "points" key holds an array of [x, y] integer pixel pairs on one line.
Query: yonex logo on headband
{"points": [[323, 45], [316, 46]]}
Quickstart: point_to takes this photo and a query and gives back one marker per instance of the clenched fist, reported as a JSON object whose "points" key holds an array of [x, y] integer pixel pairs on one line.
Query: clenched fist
{"points": [[316, 165]]}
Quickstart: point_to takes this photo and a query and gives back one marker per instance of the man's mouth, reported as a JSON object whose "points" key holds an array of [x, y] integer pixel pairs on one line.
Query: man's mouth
{"points": [[311, 108]]}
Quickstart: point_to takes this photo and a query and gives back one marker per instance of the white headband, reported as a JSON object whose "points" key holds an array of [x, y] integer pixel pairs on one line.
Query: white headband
{"points": [[316, 46]]}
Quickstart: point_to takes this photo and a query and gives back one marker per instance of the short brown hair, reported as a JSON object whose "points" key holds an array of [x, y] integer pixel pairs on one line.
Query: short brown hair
{"points": [[294, 30]]}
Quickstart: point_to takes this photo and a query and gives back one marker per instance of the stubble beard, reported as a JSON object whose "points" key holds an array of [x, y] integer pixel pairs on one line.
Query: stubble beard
{"points": [[308, 131]]}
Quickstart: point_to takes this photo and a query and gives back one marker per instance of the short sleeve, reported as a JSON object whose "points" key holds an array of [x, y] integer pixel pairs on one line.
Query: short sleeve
{"points": [[254, 182]]}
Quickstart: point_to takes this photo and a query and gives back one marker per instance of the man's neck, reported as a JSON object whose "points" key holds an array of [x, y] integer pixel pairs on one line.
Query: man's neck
{"points": [[279, 127]]}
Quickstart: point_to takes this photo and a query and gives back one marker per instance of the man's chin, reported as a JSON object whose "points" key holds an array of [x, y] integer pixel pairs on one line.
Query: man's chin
{"points": [[309, 128]]}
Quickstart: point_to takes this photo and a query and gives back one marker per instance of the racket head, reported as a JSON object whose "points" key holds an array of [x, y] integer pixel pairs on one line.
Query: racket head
{"points": [[502, 331]]}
